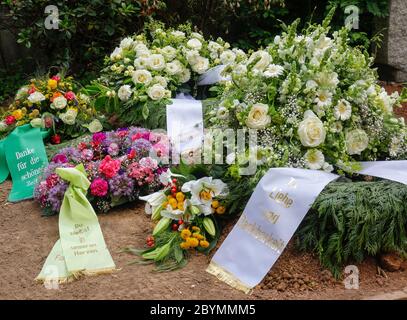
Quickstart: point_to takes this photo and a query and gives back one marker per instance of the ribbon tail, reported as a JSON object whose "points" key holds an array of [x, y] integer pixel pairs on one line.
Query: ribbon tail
{"points": [[227, 277]]}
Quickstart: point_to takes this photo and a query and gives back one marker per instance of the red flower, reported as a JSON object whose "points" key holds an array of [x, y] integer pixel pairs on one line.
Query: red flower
{"points": [[31, 90], [109, 167], [82, 146], [70, 95], [56, 78], [56, 139], [132, 154], [10, 120]]}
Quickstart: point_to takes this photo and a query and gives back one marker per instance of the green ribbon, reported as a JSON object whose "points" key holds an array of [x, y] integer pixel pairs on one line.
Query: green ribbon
{"points": [[81, 249], [22, 154]]}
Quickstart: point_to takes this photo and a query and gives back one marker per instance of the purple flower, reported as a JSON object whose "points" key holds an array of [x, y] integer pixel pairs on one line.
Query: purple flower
{"points": [[121, 185], [56, 195], [98, 137], [87, 154], [113, 149], [142, 146], [60, 158]]}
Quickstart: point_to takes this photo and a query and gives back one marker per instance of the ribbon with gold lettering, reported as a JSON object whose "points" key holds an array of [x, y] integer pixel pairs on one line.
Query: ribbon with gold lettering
{"points": [[275, 210]]}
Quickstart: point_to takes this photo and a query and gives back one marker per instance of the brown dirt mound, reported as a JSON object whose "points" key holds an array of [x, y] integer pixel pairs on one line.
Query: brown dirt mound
{"points": [[26, 239]]}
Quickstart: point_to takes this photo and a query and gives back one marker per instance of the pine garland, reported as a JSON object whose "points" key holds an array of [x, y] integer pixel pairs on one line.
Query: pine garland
{"points": [[351, 220]]}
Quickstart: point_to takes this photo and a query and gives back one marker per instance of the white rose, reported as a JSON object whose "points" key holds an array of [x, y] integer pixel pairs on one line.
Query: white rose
{"points": [[185, 76], [36, 123], [36, 97], [156, 62], [197, 35], [59, 103], [201, 65], [156, 92], [192, 56], [161, 80], [262, 59], [194, 44], [169, 52], [142, 76], [69, 117], [311, 130], [178, 34], [141, 63], [227, 57], [95, 126], [124, 92], [3, 126], [143, 54], [174, 67], [126, 43], [258, 117], [22, 92], [214, 46], [356, 141]]}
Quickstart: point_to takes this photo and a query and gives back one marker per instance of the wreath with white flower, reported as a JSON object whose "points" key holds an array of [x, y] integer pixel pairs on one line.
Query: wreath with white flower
{"points": [[147, 70]]}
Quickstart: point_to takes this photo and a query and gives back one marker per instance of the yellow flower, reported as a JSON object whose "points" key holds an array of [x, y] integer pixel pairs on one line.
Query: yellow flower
{"points": [[184, 245], [165, 204], [215, 204], [170, 197], [197, 235], [180, 197], [192, 242], [52, 84], [220, 210], [18, 114], [185, 234], [204, 243], [205, 195], [180, 206], [195, 228], [173, 203]]}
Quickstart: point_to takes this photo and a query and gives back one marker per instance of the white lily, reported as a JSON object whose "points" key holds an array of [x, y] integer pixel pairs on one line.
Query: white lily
{"points": [[154, 203]]}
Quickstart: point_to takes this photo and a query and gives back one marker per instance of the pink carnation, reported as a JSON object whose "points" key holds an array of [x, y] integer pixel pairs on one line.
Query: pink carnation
{"points": [[109, 167], [161, 149], [70, 95], [142, 174], [99, 187]]}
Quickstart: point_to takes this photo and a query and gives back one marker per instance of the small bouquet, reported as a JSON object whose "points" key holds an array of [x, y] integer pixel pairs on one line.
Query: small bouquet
{"points": [[147, 70], [52, 103], [117, 163], [185, 211]]}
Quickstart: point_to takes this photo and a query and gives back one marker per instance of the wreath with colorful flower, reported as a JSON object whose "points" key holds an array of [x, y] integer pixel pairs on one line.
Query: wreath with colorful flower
{"points": [[53, 103], [146, 70], [185, 213], [120, 165]]}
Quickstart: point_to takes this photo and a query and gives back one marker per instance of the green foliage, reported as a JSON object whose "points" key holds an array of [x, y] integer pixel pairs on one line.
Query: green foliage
{"points": [[86, 29], [350, 220], [11, 81]]}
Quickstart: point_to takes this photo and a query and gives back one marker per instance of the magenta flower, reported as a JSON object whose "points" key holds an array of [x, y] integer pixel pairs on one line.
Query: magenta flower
{"points": [[99, 187]]}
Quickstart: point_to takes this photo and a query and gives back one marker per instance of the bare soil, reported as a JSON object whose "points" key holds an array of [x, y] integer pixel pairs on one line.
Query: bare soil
{"points": [[26, 239]]}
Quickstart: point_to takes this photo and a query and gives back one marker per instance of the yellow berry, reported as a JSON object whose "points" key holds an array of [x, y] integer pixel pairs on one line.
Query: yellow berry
{"points": [[215, 204]]}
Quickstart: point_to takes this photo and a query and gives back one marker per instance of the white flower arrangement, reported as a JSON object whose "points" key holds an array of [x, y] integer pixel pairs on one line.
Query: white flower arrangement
{"points": [[316, 102], [146, 70]]}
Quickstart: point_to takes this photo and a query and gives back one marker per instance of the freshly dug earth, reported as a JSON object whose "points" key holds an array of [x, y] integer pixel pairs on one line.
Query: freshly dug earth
{"points": [[26, 239]]}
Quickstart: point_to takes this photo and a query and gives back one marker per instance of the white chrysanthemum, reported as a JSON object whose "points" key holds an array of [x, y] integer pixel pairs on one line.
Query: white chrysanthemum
{"points": [[174, 67], [156, 92], [314, 159], [142, 76], [336, 127], [201, 65], [227, 57], [59, 103], [194, 44], [357, 141], [169, 52], [116, 54], [36, 97], [124, 92], [343, 110], [323, 98], [126, 43], [273, 70], [156, 62]]}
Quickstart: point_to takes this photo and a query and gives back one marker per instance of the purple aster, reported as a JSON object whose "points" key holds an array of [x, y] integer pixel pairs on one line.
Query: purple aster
{"points": [[142, 146], [121, 185], [56, 195]]}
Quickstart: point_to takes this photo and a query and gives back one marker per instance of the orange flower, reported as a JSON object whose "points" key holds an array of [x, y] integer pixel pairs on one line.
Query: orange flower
{"points": [[56, 95]]}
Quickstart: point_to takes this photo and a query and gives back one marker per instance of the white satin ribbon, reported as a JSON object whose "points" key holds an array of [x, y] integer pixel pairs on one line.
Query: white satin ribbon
{"points": [[212, 76], [276, 208]]}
